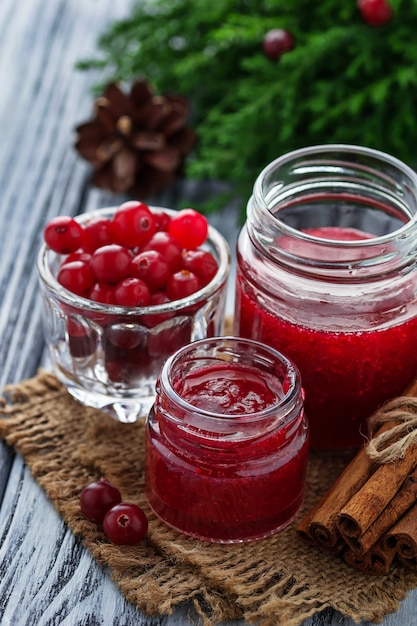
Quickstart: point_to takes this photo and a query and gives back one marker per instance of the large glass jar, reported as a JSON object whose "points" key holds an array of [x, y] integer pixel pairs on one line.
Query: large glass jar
{"points": [[327, 275], [227, 441]]}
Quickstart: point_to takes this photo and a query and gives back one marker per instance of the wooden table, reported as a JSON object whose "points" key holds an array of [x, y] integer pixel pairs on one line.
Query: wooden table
{"points": [[47, 577]]}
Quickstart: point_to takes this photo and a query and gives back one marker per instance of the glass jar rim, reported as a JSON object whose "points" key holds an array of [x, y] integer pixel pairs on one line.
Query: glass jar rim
{"points": [[285, 405], [67, 297], [317, 150]]}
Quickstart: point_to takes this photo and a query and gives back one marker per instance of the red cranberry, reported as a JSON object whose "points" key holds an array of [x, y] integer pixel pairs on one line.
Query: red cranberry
{"points": [[82, 341], [98, 232], [201, 263], [189, 228], [276, 42], [375, 12], [133, 224], [159, 297], [63, 234], [159, 256], [76, 276], [97, 498], [132, 292], [125, 524], [154, 319], [152, 267], [182, 284], [102, 292], [123, 336], [111, 263], [168, 246], [84, 257], [162, 220], [126, 366], [168, 339]]}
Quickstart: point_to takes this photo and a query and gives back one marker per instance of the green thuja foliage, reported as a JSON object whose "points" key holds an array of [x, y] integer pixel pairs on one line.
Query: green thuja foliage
{"points": [[343, 82]]}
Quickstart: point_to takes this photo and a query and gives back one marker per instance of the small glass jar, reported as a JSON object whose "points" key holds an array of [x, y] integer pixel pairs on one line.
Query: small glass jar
{"points": [[109, 356], [227, 441], [327, 275]]}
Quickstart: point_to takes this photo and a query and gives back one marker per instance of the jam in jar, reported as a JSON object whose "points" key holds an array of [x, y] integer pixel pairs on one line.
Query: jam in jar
{"points": [[227, 441], [326, 274]]}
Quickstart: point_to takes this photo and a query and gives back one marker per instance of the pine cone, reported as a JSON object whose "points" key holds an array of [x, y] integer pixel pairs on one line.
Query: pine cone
{"points": [[137, 142]]}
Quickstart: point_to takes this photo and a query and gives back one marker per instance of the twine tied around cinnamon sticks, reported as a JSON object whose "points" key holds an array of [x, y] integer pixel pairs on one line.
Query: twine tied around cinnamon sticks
{"points": [[369, 515], [392, 444]]}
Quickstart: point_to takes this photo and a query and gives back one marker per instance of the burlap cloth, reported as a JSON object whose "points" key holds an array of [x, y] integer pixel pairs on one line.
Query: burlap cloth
{"points": [[278, 580]]}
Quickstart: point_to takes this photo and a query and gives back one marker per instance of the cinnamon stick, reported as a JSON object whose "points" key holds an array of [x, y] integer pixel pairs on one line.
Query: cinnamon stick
{"points": [[373, 497], [358, 514], [376, 561], [410, 563], [304, 531], [320, 524], [400, 504], [403, 535]]}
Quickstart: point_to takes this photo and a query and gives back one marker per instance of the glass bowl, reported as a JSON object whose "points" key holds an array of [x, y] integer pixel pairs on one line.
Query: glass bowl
{"points": [[109, 356]]}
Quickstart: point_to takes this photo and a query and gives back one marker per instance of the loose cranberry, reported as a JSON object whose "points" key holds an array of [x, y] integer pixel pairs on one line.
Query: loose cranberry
{"points": [[97, 498], [102, 292], [189, 228], [182, 284], [111, 263], [168, 246], [132, 292], [375, 12], [63, 234], [152, 267], [76, 276], [125, 524], [201, 263], [133, 224], [276, 42], [97, 233]]}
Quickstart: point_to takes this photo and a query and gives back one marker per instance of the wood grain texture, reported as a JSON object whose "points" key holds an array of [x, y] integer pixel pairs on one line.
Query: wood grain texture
{"points": [[46, 576]]}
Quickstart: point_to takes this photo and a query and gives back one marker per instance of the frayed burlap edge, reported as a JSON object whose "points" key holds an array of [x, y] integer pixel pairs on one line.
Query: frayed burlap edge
{"points": [[279, 580]]}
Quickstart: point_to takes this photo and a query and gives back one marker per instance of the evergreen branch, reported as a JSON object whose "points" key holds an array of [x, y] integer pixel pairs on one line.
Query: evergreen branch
{"points": [[344, 81]]}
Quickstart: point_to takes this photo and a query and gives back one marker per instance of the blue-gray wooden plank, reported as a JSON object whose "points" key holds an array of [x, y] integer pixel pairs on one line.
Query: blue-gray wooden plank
{"points": [[46, 576]]}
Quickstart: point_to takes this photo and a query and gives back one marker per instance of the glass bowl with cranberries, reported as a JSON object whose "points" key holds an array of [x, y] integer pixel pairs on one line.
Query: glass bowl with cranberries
{"points": [[123, 288]]}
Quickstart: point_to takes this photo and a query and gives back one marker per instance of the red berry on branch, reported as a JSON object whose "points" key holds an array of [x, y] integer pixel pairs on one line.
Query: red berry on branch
{"points": [[276, 42], [375, 12]]}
